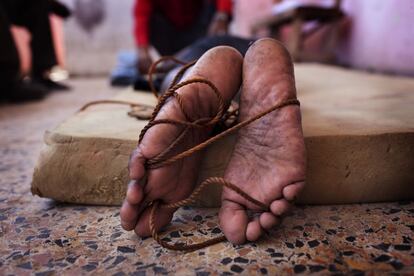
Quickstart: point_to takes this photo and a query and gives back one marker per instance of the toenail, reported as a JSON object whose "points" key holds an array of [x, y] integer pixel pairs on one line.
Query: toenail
{"points": [[131, 183], [293, 200]]}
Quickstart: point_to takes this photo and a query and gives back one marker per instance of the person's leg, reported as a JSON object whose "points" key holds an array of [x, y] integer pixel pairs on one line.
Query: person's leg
{"points": [[199, 47], [12, 88], [9, 58], [37, 22], [171, 183], [35, 18], [268, 160]]}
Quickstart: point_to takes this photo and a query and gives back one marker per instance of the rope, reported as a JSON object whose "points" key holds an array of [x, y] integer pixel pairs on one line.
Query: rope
{"points": [[153, 69], [131, 104], [162, 159], [192, 199]]}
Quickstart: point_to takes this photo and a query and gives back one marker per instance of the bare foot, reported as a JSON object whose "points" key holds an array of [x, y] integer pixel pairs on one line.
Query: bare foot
{"points": [[268, 161], [222, 66]]}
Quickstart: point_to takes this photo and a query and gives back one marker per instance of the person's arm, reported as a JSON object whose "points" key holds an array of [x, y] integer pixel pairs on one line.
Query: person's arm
{"points": [[220, 22], [142, 14], [225, 6]]}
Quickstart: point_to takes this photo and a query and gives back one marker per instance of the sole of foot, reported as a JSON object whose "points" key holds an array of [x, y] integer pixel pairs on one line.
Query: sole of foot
{"points": [[223, 67], [268, 161]]}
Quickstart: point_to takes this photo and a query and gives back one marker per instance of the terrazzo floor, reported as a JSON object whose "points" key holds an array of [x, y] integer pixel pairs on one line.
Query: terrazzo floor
{"points": [[43, 237]]}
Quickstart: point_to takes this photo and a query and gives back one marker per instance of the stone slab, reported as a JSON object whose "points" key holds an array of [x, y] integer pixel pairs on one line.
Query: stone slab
{"points": [[359, 134]]}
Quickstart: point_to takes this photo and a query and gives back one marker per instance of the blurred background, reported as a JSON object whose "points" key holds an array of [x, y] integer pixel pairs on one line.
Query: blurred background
{"points": [[98, 29], [119, 39]]}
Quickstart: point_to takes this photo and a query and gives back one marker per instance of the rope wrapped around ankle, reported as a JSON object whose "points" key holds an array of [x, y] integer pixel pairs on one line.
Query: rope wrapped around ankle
{"points": [[163, 159]]}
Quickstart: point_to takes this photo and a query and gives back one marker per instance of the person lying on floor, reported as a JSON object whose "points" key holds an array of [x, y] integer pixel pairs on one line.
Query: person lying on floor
{"points": [[268, 161]]}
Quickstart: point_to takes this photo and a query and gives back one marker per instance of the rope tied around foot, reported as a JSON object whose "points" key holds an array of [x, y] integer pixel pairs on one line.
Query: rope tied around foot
{"points": [[164, 158]]}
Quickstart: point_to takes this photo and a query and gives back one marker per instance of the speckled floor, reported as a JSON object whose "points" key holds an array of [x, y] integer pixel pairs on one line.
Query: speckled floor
{"points": [[42, 237]]}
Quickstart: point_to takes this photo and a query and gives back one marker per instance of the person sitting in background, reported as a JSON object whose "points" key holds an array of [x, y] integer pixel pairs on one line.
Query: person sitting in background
{"points": [[166, 70], [171, 25], [34, 16]]}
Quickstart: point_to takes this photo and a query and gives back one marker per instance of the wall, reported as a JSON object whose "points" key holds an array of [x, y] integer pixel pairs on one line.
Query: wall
{"points": [[379, 34], [92, 44], [245, 14]]}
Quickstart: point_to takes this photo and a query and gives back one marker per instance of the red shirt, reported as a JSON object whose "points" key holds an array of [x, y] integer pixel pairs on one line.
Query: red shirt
{"points": [[181, 13]]}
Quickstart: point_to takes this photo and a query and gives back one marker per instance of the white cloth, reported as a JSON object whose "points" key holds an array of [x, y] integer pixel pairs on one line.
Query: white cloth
{"points": [[287, 5]]}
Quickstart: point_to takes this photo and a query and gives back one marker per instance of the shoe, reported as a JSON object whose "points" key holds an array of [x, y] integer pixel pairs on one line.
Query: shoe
{"points": [[24, 91], [141, 84], [52, 85]]}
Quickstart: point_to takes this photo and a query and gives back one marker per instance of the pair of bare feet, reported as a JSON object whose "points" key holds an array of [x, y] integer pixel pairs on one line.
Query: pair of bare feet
{"points": [[268, 161]]}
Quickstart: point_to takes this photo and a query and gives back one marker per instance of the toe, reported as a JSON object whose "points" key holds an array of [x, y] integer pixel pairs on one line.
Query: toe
{"points": [[136, 164], [162, 218], [254, 230], [268, 220], [280, 207], [135, 193], [291, 191], [129, 216], [233, 221]]}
